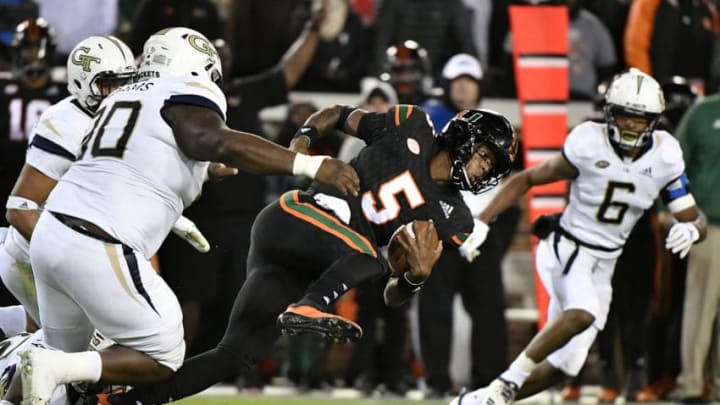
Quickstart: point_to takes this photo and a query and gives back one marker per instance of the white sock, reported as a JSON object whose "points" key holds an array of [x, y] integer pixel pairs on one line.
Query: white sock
{"points": [[12, 321], [519, 370], [4, 402], [78, 367]]}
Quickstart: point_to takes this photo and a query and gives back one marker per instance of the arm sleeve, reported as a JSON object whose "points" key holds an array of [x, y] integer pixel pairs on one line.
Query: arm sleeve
{"points": [[51, 164], [202, 93]]}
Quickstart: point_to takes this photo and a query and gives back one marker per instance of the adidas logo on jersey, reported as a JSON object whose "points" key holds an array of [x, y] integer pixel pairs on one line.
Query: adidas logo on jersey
{"points": [[446, 208], [647, 171]]}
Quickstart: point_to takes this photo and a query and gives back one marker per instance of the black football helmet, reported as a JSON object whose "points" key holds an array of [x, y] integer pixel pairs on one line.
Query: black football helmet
{"points": [[407, 69], [463, 136], [33, 47], [679, 97]]}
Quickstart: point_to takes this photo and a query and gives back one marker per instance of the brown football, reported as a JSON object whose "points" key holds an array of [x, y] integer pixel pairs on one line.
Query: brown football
{"points": [[397, 256]]}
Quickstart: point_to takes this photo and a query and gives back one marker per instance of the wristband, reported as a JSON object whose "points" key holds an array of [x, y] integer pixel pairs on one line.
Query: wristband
{"points": [[307, 130], [344, 114], [408, 286], [20, 203], [307, 165]]}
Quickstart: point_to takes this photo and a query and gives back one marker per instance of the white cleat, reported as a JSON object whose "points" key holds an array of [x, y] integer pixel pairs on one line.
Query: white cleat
{"points": [[469, 398], [500, 392], [39, 378]]}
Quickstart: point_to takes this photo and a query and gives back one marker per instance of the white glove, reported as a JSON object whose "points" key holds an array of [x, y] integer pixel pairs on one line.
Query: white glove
{"points": [[469, 249], [187, 230], [681, 237]]}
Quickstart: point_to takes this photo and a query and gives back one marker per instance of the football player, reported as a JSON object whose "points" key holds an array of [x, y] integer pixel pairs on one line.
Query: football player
{"points": [[96, 66], [24, 95], [142, 163], [617, 169], [310, 247]]}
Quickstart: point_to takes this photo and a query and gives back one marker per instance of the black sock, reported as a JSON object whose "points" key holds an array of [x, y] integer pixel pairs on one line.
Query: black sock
{"points": [[346, 273]]}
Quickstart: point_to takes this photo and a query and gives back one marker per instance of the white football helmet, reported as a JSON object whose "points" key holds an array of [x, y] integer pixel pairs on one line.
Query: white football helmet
{"points": [[633, 93], [180, 51], [95, 60]]}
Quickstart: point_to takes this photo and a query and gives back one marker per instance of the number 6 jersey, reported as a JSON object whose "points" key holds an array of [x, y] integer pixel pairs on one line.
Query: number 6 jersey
{"points": [[610, 192], [132, 180]]}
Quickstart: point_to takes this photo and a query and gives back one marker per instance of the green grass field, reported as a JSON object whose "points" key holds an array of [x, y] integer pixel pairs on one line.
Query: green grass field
{"points": [[261, 400]]}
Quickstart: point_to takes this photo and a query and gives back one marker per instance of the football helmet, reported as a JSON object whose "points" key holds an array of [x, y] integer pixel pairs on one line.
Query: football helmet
{"points": [[180, 51], [463, 136], [407, 68], [637, 94], [679, 97], [33, 47], [96, 66]]}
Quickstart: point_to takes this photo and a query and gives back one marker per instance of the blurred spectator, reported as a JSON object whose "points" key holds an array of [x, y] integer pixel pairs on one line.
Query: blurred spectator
{"points": [[338, 64], [24, 97], [664, 38], [261, 30], [407, 68], [699, 135], [12, 12], [481, 12], [679, 97], [591, 53], [226, 210], [613, 14], [75, 20], [479, 283], [442, 27], [153, 15], [460, 81]]}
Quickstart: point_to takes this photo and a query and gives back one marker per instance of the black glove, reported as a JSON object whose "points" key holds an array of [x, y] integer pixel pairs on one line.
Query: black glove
{"points": [[545, 225]]}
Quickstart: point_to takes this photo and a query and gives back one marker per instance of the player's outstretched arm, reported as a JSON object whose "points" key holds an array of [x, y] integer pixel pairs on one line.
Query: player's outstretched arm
{"points": [[554, 169], [341, 117], [201, 134], [422, 253], [30, 191]]}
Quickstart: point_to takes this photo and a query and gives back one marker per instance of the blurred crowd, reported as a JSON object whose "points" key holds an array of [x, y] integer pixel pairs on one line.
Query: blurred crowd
{"points": [[445, 55]]}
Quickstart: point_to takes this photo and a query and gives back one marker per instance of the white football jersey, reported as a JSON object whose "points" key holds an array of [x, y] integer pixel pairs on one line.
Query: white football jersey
{"points": [[54, 145], [132, 180], [610, 193]]}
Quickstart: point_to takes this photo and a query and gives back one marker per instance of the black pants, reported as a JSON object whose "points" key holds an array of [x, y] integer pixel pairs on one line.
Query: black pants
{"points": [[480, 286], [291, 258]]}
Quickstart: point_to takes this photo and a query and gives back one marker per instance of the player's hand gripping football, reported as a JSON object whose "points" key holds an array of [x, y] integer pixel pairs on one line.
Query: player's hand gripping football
{"points": [[423, 250], [186, 229]]}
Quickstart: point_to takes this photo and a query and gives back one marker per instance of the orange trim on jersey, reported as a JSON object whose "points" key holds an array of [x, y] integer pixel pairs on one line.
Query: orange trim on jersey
{"points": [[397, 116], [457, 240], [335, 232], [409, 111]]}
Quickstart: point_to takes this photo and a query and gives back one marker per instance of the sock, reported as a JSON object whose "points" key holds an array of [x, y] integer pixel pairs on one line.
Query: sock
{"points": [[12, 320], [4, 402], [77, 367], [519, 370], [344, 274]]}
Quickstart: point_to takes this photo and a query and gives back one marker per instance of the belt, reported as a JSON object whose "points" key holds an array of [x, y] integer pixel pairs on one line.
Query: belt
{"points": [[84, 227], [559, 231]]}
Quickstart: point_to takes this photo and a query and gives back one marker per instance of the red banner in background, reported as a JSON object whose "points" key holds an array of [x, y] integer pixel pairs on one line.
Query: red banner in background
{"points": [[540, 55]]}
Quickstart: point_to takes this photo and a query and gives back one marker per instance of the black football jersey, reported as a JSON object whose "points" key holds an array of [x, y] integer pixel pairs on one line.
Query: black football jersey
{"points": [[395, 183], [20, 108]]}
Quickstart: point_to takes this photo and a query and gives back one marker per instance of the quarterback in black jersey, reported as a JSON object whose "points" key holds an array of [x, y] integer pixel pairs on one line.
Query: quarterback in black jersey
{"points": [[310, 247]]}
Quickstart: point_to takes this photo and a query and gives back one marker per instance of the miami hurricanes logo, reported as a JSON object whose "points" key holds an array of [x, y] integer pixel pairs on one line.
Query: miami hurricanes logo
{"points": [[83, 59]]}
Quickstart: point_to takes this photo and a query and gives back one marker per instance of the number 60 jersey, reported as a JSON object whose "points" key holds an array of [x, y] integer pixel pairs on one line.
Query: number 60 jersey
{"points": [[610, 192], [395, 183], [132, 180]]}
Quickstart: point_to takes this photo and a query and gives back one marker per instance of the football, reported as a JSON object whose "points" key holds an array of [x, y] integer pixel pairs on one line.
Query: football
{"points": [[397, 256]]}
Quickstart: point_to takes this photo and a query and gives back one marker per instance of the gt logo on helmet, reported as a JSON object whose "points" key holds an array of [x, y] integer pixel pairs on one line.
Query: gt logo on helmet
{"points": [[83, 59], [202, 45]]}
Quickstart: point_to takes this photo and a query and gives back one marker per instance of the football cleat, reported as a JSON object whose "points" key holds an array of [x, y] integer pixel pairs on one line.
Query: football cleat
{"points": [[39, 376], [301, 319], [500, 392]]}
